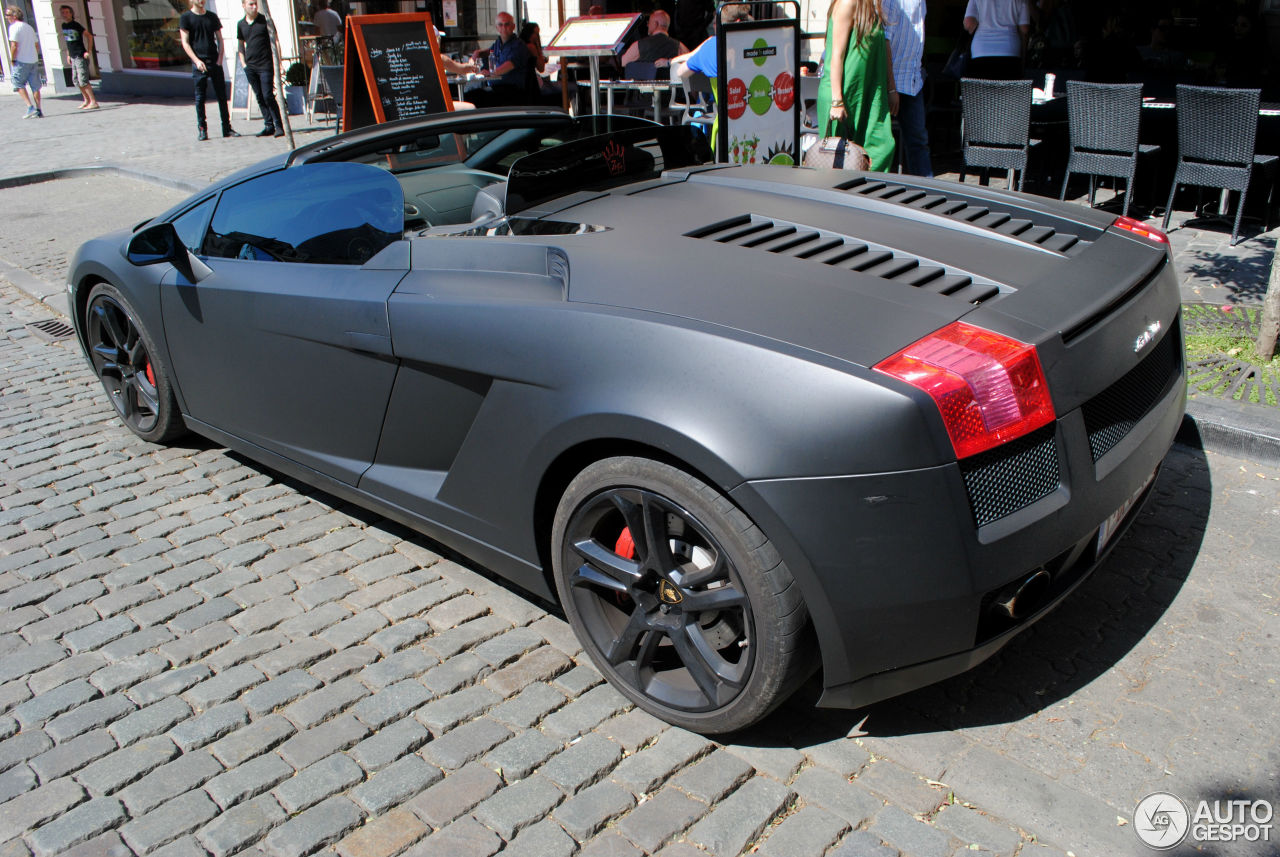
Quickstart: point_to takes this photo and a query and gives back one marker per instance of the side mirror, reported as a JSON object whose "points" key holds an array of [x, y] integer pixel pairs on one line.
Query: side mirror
{"points": [[155, 244], [160, 243]]}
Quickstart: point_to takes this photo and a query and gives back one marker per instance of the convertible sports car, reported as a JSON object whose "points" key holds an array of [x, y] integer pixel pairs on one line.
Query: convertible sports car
{"points": [[744, 422]]}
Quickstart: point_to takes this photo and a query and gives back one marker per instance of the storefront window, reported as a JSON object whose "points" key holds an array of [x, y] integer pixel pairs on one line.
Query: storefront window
{"points": [[149, 34]]}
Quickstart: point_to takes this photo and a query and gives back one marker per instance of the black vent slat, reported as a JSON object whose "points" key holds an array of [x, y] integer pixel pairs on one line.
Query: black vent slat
{"points": [[921, 275], [867, 261], [1060, 242], [975, 293], [909, 196], [822, 247], [769, 235], [885, 191], [788, 243], [1038, 234], [1012, 476], [993, 220], [948, 284], [893, 269], [1113, 413], [929, 201], [1015, 226], [951, 207], [972, 213]]}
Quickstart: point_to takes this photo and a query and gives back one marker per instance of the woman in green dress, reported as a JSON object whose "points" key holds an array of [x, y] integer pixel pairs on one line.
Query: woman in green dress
{"points": [[856, 96]]}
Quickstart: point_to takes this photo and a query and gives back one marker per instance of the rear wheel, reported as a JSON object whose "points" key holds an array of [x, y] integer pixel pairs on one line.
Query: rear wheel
{"points": [[677, 596], [123, 358]]}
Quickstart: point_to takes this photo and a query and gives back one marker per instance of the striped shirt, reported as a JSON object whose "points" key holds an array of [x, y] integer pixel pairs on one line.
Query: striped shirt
{"points": [[904, 27]]}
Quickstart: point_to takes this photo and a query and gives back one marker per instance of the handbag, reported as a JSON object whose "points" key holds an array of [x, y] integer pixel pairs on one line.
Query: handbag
{"points": [[837, 153], [958, 63]]}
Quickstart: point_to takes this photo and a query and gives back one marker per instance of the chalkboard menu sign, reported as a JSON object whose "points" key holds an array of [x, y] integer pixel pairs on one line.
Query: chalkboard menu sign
{"points": [[240, 89], [393, 70]]}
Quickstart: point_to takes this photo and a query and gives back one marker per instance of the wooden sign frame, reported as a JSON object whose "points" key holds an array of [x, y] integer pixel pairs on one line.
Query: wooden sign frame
{"points": [[360, 93]]}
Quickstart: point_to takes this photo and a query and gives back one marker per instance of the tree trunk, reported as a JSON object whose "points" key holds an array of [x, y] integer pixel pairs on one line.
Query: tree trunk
{"points": [[1269, 326], [275, 74]]}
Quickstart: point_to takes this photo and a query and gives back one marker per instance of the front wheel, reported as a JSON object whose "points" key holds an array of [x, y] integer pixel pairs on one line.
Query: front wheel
{"points": [[679, 599], [123, 358]]}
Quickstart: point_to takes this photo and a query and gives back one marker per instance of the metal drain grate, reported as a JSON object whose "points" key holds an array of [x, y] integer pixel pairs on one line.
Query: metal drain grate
{"points": [[51, 330]]}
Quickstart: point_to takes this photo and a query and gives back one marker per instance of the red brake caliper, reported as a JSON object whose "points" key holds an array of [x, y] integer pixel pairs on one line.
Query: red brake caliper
{"points": [[151, 376], [626, 546]]}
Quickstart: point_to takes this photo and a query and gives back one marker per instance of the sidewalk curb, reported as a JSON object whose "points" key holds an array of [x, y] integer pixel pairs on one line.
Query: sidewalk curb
{"points": [[1232, 428], [126, 172]]}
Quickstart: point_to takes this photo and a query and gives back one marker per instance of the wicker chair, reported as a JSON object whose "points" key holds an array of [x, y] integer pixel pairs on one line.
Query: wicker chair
{"points": [[1217, 129], [996, 125], [1103, 119]]}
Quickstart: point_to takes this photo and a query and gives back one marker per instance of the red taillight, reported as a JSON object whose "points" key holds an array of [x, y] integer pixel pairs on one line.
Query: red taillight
{"points": [[1142, 230], [989, 388]]}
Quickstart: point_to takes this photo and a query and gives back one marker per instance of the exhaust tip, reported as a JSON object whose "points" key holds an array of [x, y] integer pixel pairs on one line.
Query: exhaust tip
{"points": [[1022, 599]]}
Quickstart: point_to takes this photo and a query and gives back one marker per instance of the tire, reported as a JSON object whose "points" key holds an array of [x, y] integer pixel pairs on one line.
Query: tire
{"points": [[696, 619], [124, 359]]}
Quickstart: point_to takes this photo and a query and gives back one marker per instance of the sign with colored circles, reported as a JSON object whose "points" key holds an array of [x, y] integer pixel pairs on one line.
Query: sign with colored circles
{"points": [[760, 118]]}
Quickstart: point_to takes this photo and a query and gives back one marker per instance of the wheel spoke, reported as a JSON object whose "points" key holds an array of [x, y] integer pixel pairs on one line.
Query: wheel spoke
{"points": [[623, 648], [719, 570], [111, 323], [128, 400], [138, 354], [604, 568], [698, 659], [710, 600], [657, 539]]}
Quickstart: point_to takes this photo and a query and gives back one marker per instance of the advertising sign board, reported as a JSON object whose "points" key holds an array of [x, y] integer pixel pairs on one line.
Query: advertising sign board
{"points": [[759, 65]]}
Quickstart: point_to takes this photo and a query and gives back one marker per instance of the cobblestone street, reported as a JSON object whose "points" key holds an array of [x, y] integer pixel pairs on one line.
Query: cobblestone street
{"points": [[201, 657]]}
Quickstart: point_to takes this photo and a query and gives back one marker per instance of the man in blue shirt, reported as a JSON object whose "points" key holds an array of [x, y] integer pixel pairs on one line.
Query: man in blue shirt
{"points": [[904, 27], [508, 73]]}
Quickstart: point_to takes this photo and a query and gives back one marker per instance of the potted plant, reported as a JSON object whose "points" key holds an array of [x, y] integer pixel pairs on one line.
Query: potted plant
{"points": [[295, 80]]}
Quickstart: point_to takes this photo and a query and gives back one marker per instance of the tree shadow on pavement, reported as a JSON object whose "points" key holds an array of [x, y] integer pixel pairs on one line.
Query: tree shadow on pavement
{"points": [[1242, 272], [1085, 636]]}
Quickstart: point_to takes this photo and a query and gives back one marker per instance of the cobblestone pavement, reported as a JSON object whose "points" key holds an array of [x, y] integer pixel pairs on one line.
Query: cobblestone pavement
{"points": [[199, 657]]}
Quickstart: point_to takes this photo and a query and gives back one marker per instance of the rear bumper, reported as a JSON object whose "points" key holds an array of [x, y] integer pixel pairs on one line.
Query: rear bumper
{"points": [[899, 577]]}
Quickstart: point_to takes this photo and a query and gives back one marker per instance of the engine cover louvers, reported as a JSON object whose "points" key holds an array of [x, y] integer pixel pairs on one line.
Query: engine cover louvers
{"points": [[840, 251], [975, 212]]}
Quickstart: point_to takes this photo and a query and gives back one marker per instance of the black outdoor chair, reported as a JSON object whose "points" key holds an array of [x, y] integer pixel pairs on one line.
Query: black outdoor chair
{"points": [[1103, 119], [1217, 130], [996, 126]]}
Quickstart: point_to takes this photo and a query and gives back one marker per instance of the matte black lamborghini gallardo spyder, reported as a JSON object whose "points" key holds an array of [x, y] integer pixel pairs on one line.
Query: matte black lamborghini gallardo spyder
{"points": [[742, 421]]}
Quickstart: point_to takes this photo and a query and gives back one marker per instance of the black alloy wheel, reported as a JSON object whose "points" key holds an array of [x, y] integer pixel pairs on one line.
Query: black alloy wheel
{"points": [[677, 596], [122, 356]]}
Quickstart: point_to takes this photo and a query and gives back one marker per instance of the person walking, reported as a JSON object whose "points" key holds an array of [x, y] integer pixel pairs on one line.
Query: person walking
{"points": [[1000, 29], [904, 27], [26, 61], [79, 42], [254, 47], [857, 95], [201, 35]]}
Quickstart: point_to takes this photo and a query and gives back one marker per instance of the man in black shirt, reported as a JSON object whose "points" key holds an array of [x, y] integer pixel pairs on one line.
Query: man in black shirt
{"points": [[79, 45], [254, 40], [201, 34]]}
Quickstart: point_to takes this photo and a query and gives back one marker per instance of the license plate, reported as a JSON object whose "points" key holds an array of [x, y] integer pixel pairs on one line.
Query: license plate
{"points": [[1112, 523]]}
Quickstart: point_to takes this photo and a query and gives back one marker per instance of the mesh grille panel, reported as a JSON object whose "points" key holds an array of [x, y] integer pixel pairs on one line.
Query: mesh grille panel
{"points": [[1001, 481], [1114, 412], [840, 251]]}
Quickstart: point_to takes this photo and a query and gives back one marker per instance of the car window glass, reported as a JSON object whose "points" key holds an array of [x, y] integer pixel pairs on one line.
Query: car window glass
{"points": [[190, 224], [337, 214]]}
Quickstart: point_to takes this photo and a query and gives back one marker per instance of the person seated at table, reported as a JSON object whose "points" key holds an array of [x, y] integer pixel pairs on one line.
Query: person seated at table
{"points": [[1242, 59], [658, 47], [703, 58], [541, 87], [508, 65], [1159, 54]]}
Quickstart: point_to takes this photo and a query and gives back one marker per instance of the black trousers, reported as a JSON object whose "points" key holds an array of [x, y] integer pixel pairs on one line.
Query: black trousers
{"points": [[263, 86], [212, 75]]}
